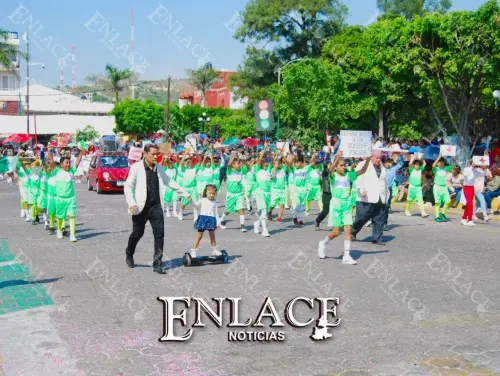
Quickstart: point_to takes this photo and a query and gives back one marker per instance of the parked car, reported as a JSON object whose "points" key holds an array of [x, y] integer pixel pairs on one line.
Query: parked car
{"points": [[108, 172]]}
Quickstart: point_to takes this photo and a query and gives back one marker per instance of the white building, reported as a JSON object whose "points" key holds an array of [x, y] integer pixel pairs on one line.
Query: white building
{"points": [[9, 80]]}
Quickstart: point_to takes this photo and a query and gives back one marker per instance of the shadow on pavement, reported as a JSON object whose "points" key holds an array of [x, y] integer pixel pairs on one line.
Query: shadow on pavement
{"points": [[21, 282], [94, 234], [357, 254]]}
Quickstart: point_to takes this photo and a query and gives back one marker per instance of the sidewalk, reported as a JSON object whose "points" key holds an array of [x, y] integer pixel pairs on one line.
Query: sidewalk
{"points": [[456, 211]]}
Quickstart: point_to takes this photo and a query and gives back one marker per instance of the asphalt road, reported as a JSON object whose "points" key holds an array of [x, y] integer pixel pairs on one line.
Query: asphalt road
{"points": [[425, 304]]}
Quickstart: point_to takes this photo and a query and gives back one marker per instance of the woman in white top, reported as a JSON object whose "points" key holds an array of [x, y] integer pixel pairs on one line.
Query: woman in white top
{"points": [[470, 175], [455, 181], [482, 173], [207, 219]]}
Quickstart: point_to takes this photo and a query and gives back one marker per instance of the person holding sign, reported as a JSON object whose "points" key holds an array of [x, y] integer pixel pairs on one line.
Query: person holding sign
{"points": [[415, 186], [340, 214], [440, 189]]}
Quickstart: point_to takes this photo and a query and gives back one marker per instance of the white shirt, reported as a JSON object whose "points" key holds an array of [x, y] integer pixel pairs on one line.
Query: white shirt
{"points": [[471, 174], [207, 207]]}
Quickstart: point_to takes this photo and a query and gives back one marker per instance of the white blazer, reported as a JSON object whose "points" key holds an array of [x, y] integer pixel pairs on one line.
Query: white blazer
{"points": [[136, 189], [376, 187]]}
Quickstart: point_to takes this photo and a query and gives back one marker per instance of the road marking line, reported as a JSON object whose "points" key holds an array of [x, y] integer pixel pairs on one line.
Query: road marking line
{"points": [[6, 263]]}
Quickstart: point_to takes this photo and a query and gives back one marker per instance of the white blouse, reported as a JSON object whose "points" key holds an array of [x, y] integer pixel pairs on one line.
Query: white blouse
{"points": [[207, 207]]}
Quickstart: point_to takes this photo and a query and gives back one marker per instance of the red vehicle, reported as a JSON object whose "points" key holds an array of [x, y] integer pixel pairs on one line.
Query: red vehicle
{"points": [[108, 172]]}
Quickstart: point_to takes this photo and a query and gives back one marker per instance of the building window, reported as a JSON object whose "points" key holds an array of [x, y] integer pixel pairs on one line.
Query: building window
{"points": [[8, 82]]}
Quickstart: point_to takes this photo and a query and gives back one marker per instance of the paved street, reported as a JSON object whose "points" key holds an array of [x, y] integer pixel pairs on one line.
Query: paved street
{"points": [[425, 304]]}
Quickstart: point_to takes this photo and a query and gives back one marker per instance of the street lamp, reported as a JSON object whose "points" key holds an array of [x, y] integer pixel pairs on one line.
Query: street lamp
{"points": [[323, 110], [496, 95], [204, 119]]}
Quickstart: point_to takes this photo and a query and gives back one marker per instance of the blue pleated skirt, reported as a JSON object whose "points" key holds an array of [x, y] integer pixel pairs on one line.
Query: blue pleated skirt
{"points": [[205, 223]]}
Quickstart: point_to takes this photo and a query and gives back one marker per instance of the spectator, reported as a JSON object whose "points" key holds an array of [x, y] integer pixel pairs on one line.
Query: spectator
{"points": [[481, 174], [492, 190], [455, 182]]}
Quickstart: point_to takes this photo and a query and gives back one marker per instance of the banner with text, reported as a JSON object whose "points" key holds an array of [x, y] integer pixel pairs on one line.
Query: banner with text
{"points": [[135, 154], [356, 144]]}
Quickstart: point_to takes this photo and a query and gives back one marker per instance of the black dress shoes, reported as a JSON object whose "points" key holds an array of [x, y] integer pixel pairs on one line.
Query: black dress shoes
{"points": [[130, 261]]}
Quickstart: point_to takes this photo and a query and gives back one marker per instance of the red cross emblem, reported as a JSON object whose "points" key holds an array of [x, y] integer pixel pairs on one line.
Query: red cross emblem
{"points": [[482, 160], [449, 148]]}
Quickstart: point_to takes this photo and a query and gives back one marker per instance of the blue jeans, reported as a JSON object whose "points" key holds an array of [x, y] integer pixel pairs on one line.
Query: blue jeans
{"points": [[480, 201], [458, 192], [488, 196]]}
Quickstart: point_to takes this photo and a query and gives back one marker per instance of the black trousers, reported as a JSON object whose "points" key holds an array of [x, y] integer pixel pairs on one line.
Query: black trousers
{"points": [[154, 215], [387, 208], [222, 174], [366, 211], [326, 207]]}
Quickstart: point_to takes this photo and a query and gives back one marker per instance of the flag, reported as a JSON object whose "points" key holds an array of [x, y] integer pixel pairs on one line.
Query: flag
{"points": [[82, 145]]}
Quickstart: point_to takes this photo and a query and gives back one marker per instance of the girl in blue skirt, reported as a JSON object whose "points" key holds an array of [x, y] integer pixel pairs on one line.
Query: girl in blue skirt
{"points": [[207, 219]]}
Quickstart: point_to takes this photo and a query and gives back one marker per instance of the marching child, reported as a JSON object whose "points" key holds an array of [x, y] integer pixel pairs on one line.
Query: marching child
{"points": [[235, 201], [207, 219], [299, 175], [34, 191], [278, 187], [340, 206], [189, 172], [415, 187], [440, 189], [205, 173], [23, 181], [263, 172], [313, 184], [170, 196]]}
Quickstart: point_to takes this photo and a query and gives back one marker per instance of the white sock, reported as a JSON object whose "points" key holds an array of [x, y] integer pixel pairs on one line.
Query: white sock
{"points": [[248, 203], [327, 240], [242, 219], [264, 225], [347, 246], [167, 208], [45, 217], [27, 211], [174, 206], [223, 217]]}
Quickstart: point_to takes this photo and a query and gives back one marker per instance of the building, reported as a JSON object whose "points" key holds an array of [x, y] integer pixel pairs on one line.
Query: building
{"points": [[10, 81], [56, 112], [219, 94]]}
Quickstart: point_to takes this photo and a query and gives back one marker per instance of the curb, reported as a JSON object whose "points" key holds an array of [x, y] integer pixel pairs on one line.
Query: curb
{"points": [[493, 217]]}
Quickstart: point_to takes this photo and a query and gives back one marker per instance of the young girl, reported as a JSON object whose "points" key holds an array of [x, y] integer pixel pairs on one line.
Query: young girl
{"points": [[34, 191], [440, 189], [189, 172], [415, 187], [278, 188], [313, 184], [170, 196], [340, 206], [235, 201], [299, 173], [207, 219], [263, 172]]}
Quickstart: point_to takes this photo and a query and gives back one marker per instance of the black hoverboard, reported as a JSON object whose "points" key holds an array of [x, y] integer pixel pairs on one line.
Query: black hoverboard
{"points": [[187, 260]]}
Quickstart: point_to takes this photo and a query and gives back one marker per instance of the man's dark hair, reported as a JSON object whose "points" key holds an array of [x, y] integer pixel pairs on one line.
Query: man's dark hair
{"points": [[63, 159], [148, 147]]}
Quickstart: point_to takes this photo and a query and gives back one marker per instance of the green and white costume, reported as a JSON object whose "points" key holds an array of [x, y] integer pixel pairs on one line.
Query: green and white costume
{"points": [[51, 192], [189, 182], [170, 195], [278, 187], [235, 200], [341, 203], [65, 193], [24, 183], [263, 188], [42, 197], [249, 182], [299, 177], [440, 189], [34, 185], [204, 177], [415, 185], [314, 191]]}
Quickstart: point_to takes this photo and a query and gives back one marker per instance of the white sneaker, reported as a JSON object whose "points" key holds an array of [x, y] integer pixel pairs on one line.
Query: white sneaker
{"points": [[180, 216], [425, 215], [265, 234], [193, 253], [322, 249], [175, 215], [407, 213], [72, 238], [369, 223], [486, 219], [464, 222], [348, 260], [23, 214], [59, 234], [216, 252], [471, 224], [474, 218], [168, 215], [243, 228], [256, 227], [27, 219]]}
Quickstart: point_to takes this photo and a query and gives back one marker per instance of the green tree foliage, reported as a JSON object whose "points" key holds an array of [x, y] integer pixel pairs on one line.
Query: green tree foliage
{"points": [[136, 117], [410, 8], [8, 51], [238, 124], [89, 133], [290, 28], [114, 79]]}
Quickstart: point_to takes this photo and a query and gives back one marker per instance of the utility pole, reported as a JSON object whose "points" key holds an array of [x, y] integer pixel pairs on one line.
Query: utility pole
{"points": [[278, 122], [28, 82], [167, 110]]}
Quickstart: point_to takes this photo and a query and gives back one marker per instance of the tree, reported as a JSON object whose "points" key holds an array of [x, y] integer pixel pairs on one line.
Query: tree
{"points": [[8, 51], [411, 8], [238, 124], [455, 57], [291, 28], [114, 79], [137, 117], [88, 133], [313, 95], [203, 79]]}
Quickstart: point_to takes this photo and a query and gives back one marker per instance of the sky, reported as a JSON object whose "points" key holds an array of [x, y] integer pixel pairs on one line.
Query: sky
{"points": [[170, 35]]}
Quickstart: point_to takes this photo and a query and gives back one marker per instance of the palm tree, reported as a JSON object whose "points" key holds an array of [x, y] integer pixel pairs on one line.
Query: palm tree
{"points": [[114, 79], [203, 79], [8, 51]]}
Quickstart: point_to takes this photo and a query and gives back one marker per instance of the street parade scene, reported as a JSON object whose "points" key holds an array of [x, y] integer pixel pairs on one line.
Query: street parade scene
{"points": [[331, 206]]}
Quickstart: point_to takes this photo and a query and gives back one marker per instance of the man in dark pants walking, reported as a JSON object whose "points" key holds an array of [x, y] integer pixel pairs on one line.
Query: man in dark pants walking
{"points": [[144, 191], [371, 198]]}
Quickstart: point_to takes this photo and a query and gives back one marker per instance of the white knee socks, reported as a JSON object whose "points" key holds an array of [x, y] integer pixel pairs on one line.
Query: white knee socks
{"points": [[347, 246], [242, 219]]}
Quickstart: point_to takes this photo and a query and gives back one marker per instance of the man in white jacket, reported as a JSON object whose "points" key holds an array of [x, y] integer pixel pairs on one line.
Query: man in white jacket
{"points": [[372, 195], [144, 191]]}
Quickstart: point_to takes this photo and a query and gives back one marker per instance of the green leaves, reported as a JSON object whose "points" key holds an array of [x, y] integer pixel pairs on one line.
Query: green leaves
{"points": [[88, 133]]}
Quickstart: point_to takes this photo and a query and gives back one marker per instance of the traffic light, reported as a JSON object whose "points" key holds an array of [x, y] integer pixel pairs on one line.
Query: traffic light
{"points": [[215, 132], [264, 119]]}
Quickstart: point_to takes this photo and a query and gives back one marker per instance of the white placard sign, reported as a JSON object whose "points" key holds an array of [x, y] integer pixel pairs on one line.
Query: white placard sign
{"points": [[356, 144], [481, 160], [448, 150]]}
